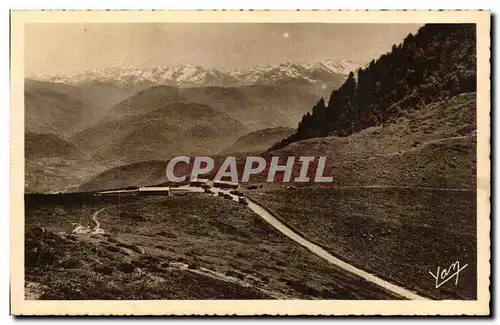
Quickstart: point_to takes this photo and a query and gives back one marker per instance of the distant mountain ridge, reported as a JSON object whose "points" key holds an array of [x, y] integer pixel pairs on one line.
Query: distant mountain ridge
{"points": [[51, 110], [48, 146], [258, 141], [256, 107], [318, 75]]}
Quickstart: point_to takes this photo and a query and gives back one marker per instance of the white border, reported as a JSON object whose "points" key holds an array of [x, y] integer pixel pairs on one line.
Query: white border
{"points": [[225, 4]]}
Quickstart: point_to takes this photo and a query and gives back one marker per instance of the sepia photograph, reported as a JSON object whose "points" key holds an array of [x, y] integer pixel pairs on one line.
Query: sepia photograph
{"points": [[299, 160]]}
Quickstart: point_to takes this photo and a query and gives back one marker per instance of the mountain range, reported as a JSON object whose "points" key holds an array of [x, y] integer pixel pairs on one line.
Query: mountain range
{"points": [[318, 76], [395, 95], [88, 122]]}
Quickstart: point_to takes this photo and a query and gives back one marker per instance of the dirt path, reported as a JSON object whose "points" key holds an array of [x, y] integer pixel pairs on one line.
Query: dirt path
{"points": [[317, 250], [443, 189], [86, 229]]}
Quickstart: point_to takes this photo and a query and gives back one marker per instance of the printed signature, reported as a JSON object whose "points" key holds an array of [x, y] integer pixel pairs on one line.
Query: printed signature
{"points": [[444, 275]]}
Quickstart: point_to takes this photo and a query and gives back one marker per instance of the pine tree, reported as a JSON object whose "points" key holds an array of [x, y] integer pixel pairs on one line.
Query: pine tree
{"points": [[436, 63]]}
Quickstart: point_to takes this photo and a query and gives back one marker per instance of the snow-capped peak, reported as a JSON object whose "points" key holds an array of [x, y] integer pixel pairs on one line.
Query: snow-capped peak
{"points": [[341, 66], [179, 76], [193, 75]]}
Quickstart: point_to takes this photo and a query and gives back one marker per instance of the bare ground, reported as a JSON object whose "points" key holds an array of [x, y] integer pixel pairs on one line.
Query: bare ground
{"points": [[184, 247]]}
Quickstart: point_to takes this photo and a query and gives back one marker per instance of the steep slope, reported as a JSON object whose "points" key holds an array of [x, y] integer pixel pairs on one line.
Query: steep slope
{"points": [[435, 64], [387, 231], [431, 147], [434, 146], [403, 191], [258, 141], [175, 129]]}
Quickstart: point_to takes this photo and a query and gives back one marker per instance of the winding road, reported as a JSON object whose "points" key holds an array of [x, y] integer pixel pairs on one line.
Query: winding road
{"points": [[317, 250], [313, 248]]}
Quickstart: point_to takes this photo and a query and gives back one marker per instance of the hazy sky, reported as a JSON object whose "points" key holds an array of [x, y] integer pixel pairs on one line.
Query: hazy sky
{"points": [[63, 48]]}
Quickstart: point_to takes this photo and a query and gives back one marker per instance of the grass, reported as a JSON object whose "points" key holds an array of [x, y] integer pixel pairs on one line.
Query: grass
{"points": [[434, 146], [45, 175], [190, 246], [449, 118], [399, 234], [447, 163]]}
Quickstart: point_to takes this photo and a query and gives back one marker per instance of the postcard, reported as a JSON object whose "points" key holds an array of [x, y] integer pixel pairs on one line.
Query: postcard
{"points": [[250, 162]]}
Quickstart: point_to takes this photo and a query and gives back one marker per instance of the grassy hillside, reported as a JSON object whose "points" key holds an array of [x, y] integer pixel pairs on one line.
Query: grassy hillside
{"points": [[432, 146], [49, 145], [147, 173], [137, 174], [256, 107], [145, 101], [437, 63], [399, 234], [258, 141], [54, 174], [55, 164], [50, 111], [175, 129]]}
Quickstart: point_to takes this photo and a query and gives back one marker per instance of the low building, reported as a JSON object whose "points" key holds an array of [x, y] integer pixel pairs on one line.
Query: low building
{"points": [[226, 185], [154, 190], [180, 190]]}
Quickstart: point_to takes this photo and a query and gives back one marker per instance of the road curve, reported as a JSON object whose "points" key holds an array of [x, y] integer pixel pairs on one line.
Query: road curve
{"points": [[97, 229], [268, 217]]}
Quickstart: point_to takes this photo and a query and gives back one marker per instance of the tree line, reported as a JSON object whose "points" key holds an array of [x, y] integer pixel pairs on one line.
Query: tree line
{"points": [[436, 63]]}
